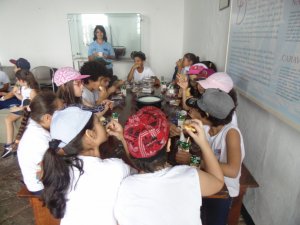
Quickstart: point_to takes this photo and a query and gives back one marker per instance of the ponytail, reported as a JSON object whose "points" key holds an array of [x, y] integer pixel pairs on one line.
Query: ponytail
{"points": [[57, 165], [23, 125], [56, 179], [43, 103]]}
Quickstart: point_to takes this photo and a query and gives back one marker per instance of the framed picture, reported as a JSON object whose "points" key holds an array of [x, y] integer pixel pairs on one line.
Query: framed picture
{"points": [[223, 4]]}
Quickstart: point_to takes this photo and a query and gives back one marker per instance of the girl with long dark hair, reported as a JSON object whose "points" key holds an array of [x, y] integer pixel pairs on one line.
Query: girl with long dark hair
{"points": [[34, 136], [79, 186], [27, 91]]}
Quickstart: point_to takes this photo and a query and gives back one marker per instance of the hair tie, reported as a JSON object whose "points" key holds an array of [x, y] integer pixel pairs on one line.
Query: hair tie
{"points": [[53, 145]]}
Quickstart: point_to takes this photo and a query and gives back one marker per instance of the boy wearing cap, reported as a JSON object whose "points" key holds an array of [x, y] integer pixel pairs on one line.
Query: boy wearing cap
{"points": [[161, 194], [215, 109], [9, 99]]}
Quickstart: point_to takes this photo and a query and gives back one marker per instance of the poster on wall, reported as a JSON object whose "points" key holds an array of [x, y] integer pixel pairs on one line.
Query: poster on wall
{"points": [[264, 54]]}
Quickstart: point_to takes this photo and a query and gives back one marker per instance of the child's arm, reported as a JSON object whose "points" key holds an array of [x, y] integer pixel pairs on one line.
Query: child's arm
{"points": [[212, 180], [233, 145], [116, 129], [131, 72], [33, 93], [183, 84], [4, 88]]}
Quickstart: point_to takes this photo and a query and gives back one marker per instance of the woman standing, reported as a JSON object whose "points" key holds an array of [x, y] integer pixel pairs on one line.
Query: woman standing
{"points": [[100, 49]]}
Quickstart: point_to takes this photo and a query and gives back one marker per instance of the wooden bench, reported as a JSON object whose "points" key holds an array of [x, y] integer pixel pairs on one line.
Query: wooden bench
{"points": [[42, 216]]}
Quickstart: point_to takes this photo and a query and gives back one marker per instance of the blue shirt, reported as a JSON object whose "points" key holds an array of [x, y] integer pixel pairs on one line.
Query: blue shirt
{"points": [[105, 47]]}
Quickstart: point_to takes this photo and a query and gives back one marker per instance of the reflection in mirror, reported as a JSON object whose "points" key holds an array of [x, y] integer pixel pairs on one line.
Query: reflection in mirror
{"points": [[123, 33]]}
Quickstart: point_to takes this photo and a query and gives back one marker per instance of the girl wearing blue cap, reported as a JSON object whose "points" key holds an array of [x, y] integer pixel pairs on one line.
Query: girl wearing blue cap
{"points": [[80, 187]]}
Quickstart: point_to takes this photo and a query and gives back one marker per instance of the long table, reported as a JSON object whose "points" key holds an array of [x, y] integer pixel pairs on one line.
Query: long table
{"points": [[128, 107], [111, 149]]}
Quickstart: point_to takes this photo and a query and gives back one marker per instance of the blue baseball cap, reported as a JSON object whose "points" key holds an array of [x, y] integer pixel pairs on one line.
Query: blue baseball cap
{"points": [[21, 63]]}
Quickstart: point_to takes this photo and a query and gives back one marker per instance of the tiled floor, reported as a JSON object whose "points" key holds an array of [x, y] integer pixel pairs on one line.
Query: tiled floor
{"points": [[13, 210]]}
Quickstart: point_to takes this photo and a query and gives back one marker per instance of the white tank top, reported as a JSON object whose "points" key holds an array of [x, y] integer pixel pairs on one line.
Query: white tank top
{"points": [[218, 145], [25, 92]]}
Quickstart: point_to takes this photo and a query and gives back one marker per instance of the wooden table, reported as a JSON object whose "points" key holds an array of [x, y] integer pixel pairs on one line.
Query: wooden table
{"points": [[125, 108], [246, 180]]}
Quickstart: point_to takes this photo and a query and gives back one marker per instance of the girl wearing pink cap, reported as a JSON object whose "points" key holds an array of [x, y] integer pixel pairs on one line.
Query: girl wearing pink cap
{"points": [[70, 88]]}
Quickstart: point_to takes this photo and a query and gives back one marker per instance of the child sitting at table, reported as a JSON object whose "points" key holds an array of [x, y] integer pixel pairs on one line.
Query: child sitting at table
{"points": [[215, 109], [80, 187], [183, 65], [70, 87], [28, 90], [161, 194], [220, 80], [139, 71], [34, 136], [91, 94]]}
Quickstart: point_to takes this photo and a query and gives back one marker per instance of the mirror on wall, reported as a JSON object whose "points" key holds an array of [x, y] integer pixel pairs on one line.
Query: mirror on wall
{"points": [[123, 33]]}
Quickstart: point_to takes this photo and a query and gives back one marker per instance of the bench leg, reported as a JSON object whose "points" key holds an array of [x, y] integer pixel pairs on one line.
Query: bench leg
{"points": [[235, 211], [42, 216]]}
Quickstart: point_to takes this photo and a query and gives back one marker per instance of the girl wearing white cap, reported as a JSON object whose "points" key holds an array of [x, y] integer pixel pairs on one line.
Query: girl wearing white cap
{"points": [[79, 187]]}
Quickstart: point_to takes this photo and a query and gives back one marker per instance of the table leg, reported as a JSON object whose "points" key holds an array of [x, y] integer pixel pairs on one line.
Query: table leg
{"points": [[235, 211]]}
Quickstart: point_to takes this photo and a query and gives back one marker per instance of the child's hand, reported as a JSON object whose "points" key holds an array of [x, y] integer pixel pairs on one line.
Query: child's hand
{"points": [[183, 157], [182, 81], [109, 103], [119, 83], [199, 137], [135, 66], [179, 63], [16, 109], [111, 90], [113, 128], [174, 130]]}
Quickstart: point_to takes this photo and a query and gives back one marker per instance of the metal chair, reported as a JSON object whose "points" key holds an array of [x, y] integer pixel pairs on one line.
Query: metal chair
{"points": [[43, 75]]}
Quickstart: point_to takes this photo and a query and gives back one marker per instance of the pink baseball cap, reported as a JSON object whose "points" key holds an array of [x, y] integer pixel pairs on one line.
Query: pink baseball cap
{"points": [[66, 74], [220, 80], [197, 68]]}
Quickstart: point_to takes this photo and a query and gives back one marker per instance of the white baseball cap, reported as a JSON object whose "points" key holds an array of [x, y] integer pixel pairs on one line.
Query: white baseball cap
{"points": [[66, 124]]}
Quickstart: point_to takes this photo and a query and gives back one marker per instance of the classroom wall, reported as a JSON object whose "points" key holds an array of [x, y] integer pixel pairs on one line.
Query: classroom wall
{"points": [[38, 30], [272, 147], [206, 30]]}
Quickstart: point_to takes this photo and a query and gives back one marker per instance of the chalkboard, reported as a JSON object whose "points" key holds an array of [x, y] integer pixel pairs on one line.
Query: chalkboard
{"points": [[264, 54]]}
